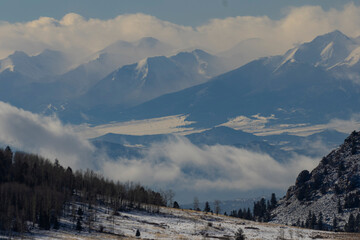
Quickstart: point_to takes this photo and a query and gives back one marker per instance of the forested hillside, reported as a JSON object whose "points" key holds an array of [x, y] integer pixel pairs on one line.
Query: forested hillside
{"points": [[34, 192]]}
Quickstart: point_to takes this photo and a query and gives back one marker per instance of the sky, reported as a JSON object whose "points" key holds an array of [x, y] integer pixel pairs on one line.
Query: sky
{"points": [[249, 29], [183, 12]]}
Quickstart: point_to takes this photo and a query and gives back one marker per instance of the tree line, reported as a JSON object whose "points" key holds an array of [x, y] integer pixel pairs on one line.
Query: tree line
{"points": [[35, 191]]}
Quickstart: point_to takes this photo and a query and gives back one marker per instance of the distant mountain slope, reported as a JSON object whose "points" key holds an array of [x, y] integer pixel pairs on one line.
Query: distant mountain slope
{"points": [[152, 77], [82, 78], [44, 65], [48, 83], [332, 188], [222, 135], [297, 87], [136, 83]]}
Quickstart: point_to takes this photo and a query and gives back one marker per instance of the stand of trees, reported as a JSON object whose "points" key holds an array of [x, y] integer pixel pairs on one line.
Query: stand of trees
{"points": [[261, 210], [34, 190]]}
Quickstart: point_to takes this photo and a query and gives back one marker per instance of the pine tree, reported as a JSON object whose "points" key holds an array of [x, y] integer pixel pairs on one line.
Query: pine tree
{"points": [[320, 222], [273, 201], [240, 214], [249, 215], [78, 225], [56, 225], [357, 223], [313, 221], [207, 207], [350, 225], [176, 205], [335, 223], [339, 207], [308, 220]]}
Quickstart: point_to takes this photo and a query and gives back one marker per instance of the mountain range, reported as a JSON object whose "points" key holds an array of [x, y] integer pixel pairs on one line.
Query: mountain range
{"points": [[298, 87]]}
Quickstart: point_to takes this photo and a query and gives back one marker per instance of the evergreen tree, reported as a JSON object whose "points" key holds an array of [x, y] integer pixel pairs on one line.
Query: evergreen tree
{"points": [[176, 205], [249, 215], [313, 221], [357, 223], [240, 214], [335, 223], [308, 220], [320, 222], [207, 207], [78, 225], [80, 212], [56, 224], [350, 225], [44, 220], [339, 207], [273, 201]]}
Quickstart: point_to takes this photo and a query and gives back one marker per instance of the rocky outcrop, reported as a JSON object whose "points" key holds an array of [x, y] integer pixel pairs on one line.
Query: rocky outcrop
{"points": [[332, 188]]}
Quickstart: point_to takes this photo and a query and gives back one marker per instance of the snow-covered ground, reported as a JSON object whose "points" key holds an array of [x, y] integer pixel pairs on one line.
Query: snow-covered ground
{"points": [[163, 125], [178, 224]]}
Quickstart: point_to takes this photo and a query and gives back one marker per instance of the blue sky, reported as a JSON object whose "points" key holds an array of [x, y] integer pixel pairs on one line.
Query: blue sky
{"points": [[184, 12]]}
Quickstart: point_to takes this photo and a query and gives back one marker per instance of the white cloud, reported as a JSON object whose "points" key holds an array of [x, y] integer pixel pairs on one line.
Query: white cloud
{"points": [[45, 136], [180, 164], [175, 164], [79, 36]]}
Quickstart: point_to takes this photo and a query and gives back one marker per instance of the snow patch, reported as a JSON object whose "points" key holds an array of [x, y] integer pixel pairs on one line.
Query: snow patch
{"points": [[172, 223], [6, 64], [289, 57], [142, 69], [353, 58], [255, 123], [162, 125], [202, 65], [327, 52]]}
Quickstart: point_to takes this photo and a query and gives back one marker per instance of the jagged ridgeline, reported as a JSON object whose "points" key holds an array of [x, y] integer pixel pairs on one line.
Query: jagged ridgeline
{"points": [[329, 193], [35, 191]]}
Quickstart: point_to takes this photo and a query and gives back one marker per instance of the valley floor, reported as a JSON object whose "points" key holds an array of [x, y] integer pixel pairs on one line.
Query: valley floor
{"points": [[177, 224]]}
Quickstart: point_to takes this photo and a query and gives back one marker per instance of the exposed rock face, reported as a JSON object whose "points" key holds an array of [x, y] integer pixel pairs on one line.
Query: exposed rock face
{"points": [[332, 188]]}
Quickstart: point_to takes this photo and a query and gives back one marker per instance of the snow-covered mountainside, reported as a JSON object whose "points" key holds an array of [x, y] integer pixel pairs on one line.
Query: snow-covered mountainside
{"points": [[82, 78], [153, 77], [297, 88], [324, 51], [171, 224], [49, 80], [149, 78], [332, 188], [44, 65]]}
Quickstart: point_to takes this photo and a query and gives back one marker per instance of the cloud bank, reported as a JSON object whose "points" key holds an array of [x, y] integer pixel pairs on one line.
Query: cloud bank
{"points": [[45, 136], [78, 36], [179, 163], [176, 163]]}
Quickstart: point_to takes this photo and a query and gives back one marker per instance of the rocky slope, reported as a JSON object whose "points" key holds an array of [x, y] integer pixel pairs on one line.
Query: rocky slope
{"points": [[332, 188]]}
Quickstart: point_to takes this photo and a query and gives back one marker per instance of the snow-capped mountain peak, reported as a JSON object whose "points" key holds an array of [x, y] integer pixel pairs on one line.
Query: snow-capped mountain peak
{"points": [[47, 63], [325, 51]]}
